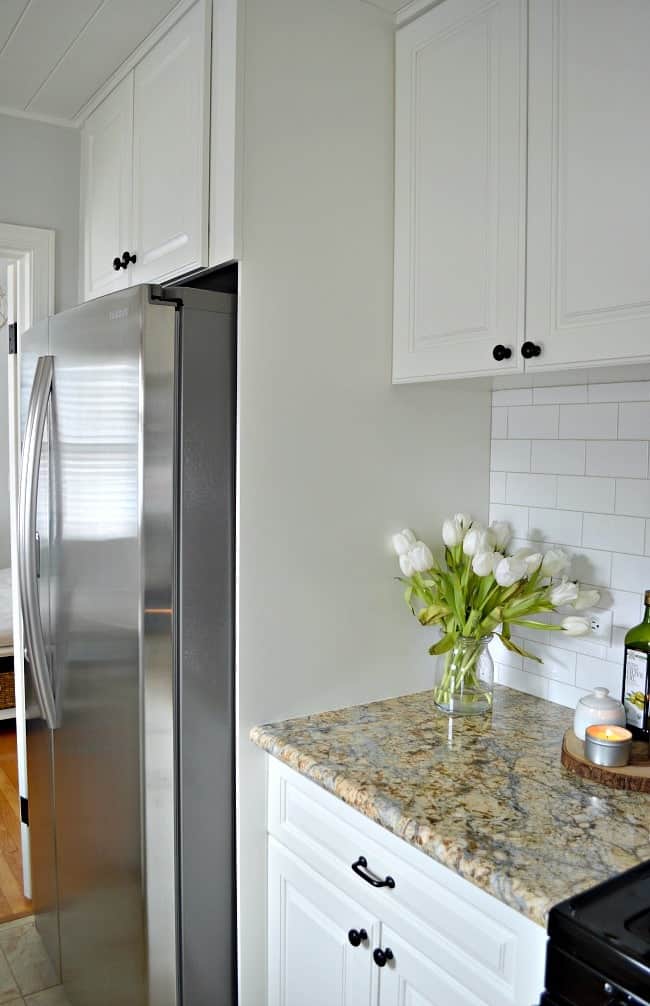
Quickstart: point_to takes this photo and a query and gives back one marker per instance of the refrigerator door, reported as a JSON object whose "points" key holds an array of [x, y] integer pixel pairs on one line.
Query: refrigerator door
{"points": [[34, 346], [112, 449]]}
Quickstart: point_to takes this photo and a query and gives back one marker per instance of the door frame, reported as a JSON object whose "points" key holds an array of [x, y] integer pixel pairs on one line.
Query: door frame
{"points": [[30, 251]]}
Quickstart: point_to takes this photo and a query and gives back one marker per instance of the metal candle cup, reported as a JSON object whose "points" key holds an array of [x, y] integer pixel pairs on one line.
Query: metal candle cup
{"points": [[610, 746]]}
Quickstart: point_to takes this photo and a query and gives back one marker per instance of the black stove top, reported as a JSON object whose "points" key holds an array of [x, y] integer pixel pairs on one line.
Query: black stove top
{"points": [[599, 944]]}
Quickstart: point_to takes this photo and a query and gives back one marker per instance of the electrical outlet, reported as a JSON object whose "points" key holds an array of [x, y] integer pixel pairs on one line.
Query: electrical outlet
{"points": [[601, 626]]}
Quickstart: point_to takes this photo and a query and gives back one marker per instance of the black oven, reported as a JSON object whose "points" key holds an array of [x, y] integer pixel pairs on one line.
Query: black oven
{"points": [[598, 951]]}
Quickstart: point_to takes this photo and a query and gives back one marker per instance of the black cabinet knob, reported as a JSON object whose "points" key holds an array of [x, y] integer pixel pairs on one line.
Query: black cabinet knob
{"points": [[126, 258], [117, 264], [501, 353], [381, 957], [357, 937], [530, 349]]}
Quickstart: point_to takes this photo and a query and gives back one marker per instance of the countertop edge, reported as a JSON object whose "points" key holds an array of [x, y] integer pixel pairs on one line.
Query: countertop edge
{"points": [[478, 870]]}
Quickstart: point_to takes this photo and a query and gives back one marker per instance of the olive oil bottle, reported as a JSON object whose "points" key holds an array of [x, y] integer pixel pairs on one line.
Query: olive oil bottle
{"points": [[636, 675]]}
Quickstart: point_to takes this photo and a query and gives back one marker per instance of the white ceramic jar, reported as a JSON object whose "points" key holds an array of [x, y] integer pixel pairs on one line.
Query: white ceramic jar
{"points": [[597, 707]]}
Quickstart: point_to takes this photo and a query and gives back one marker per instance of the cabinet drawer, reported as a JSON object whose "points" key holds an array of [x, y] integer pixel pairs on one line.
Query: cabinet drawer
{"points": [[459, 927]]}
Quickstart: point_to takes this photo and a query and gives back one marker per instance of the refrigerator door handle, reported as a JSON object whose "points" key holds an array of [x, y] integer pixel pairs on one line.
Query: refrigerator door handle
{"points": [[27, 536]]}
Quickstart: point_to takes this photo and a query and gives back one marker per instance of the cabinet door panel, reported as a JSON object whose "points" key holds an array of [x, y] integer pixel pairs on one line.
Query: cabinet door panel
{"points": [[460, 189], [589, 164], [170, 174], [310, 957], [106, 172], [411, 979]]}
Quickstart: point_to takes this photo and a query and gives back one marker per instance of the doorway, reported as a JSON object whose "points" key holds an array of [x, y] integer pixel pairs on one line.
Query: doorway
{"points": [[26, 295]]}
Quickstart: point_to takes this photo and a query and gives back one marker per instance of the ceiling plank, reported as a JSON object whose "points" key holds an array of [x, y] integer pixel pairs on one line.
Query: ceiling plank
{"points": [[38, 43], [107, 41], [10, 13]]}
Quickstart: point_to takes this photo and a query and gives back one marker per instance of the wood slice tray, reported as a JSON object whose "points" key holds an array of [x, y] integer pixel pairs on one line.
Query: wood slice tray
{"points": [[635, 776]]}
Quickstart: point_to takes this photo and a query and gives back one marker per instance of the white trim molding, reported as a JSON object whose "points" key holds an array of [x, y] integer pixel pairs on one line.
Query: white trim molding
{"points": [[32, 249]]}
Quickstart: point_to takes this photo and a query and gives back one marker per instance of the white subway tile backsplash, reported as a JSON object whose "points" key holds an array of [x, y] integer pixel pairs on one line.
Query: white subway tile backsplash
{"points": [[533, 421], [624, 459], [499, 424], [576, 492], [613, 533], [497, 487], [621, 391], [633, 497], [533, 684], [548, 458], [593, 673], [570, 467], [589, 422], [516, 517], [631, 572], [516, 396], [634, 421], [506, 657], [557, 527], [558, 395], [592, 566], [510, 456], [521, 489]]}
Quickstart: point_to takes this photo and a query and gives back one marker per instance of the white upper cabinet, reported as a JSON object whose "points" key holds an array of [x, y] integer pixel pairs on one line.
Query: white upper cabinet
{"points": [[149, 149], [170, 152], [465, 184], [460, 190], [106, 154], [588, 296]]}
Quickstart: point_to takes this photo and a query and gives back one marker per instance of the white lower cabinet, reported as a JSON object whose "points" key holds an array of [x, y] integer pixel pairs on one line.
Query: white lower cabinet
{"points": [[430, 939]]}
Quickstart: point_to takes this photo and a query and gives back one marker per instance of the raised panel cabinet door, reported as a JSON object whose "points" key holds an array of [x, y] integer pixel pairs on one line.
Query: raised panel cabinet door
{"points": [[170, 147], [588, 299], [460, 182], [409, 978], [107, 152], [311, 958]]}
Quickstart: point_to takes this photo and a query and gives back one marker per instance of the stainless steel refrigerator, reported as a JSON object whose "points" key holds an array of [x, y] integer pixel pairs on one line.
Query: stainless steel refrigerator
{"points": [[127, 542]]}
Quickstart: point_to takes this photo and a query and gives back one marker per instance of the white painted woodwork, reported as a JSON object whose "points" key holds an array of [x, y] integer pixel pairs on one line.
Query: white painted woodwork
{"points": [[170, 152], [451, 935], [311, 960], [588, 299], [106, 179], [460, 189], [50, 67], [225, 134]]}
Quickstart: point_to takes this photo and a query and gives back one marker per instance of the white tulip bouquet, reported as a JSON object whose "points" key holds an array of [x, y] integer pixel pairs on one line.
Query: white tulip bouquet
{"points": [[480, 591]]}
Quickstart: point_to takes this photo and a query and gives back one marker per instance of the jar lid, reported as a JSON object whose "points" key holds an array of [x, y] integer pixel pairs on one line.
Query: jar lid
{"points": [[600, 699]]}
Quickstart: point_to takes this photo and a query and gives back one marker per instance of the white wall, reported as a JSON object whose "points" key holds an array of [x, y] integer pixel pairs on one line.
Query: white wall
{"points": [[570, 467], [333, 458], [39, 187]]}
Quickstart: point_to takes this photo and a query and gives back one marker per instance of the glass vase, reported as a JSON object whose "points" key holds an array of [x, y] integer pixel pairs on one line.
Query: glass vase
{"points": [[467, 683]]}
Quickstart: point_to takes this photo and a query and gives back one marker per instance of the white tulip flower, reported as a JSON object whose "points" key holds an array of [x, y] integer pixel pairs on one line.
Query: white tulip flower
{"points": [[586, 599], [483, 563], [573, 625], [555, 562], [564, 592], [404, 541], [421, 557], [452, 533], [406, 564], [464, 520], [473, 539], [509, 570], [532, 559], [502, 533]]}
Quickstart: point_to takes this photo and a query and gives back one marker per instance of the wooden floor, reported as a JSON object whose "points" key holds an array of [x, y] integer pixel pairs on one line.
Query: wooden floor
{"points": [[13, 904]]}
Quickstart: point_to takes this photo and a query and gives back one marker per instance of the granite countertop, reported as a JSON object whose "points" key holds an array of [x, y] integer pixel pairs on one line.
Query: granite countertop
{"points": [[485, 796]]}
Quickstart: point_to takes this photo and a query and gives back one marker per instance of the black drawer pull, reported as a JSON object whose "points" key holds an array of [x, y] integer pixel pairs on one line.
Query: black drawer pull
{"points": [[360, 868], [381, 957], [501, 353], [357, 936]]}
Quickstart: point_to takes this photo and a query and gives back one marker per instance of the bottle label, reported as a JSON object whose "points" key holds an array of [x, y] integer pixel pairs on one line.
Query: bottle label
{"points": [[635, 687]]}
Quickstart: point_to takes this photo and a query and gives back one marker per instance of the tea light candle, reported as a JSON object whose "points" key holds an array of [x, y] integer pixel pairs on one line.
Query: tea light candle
{"points": [[610, 746]]}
